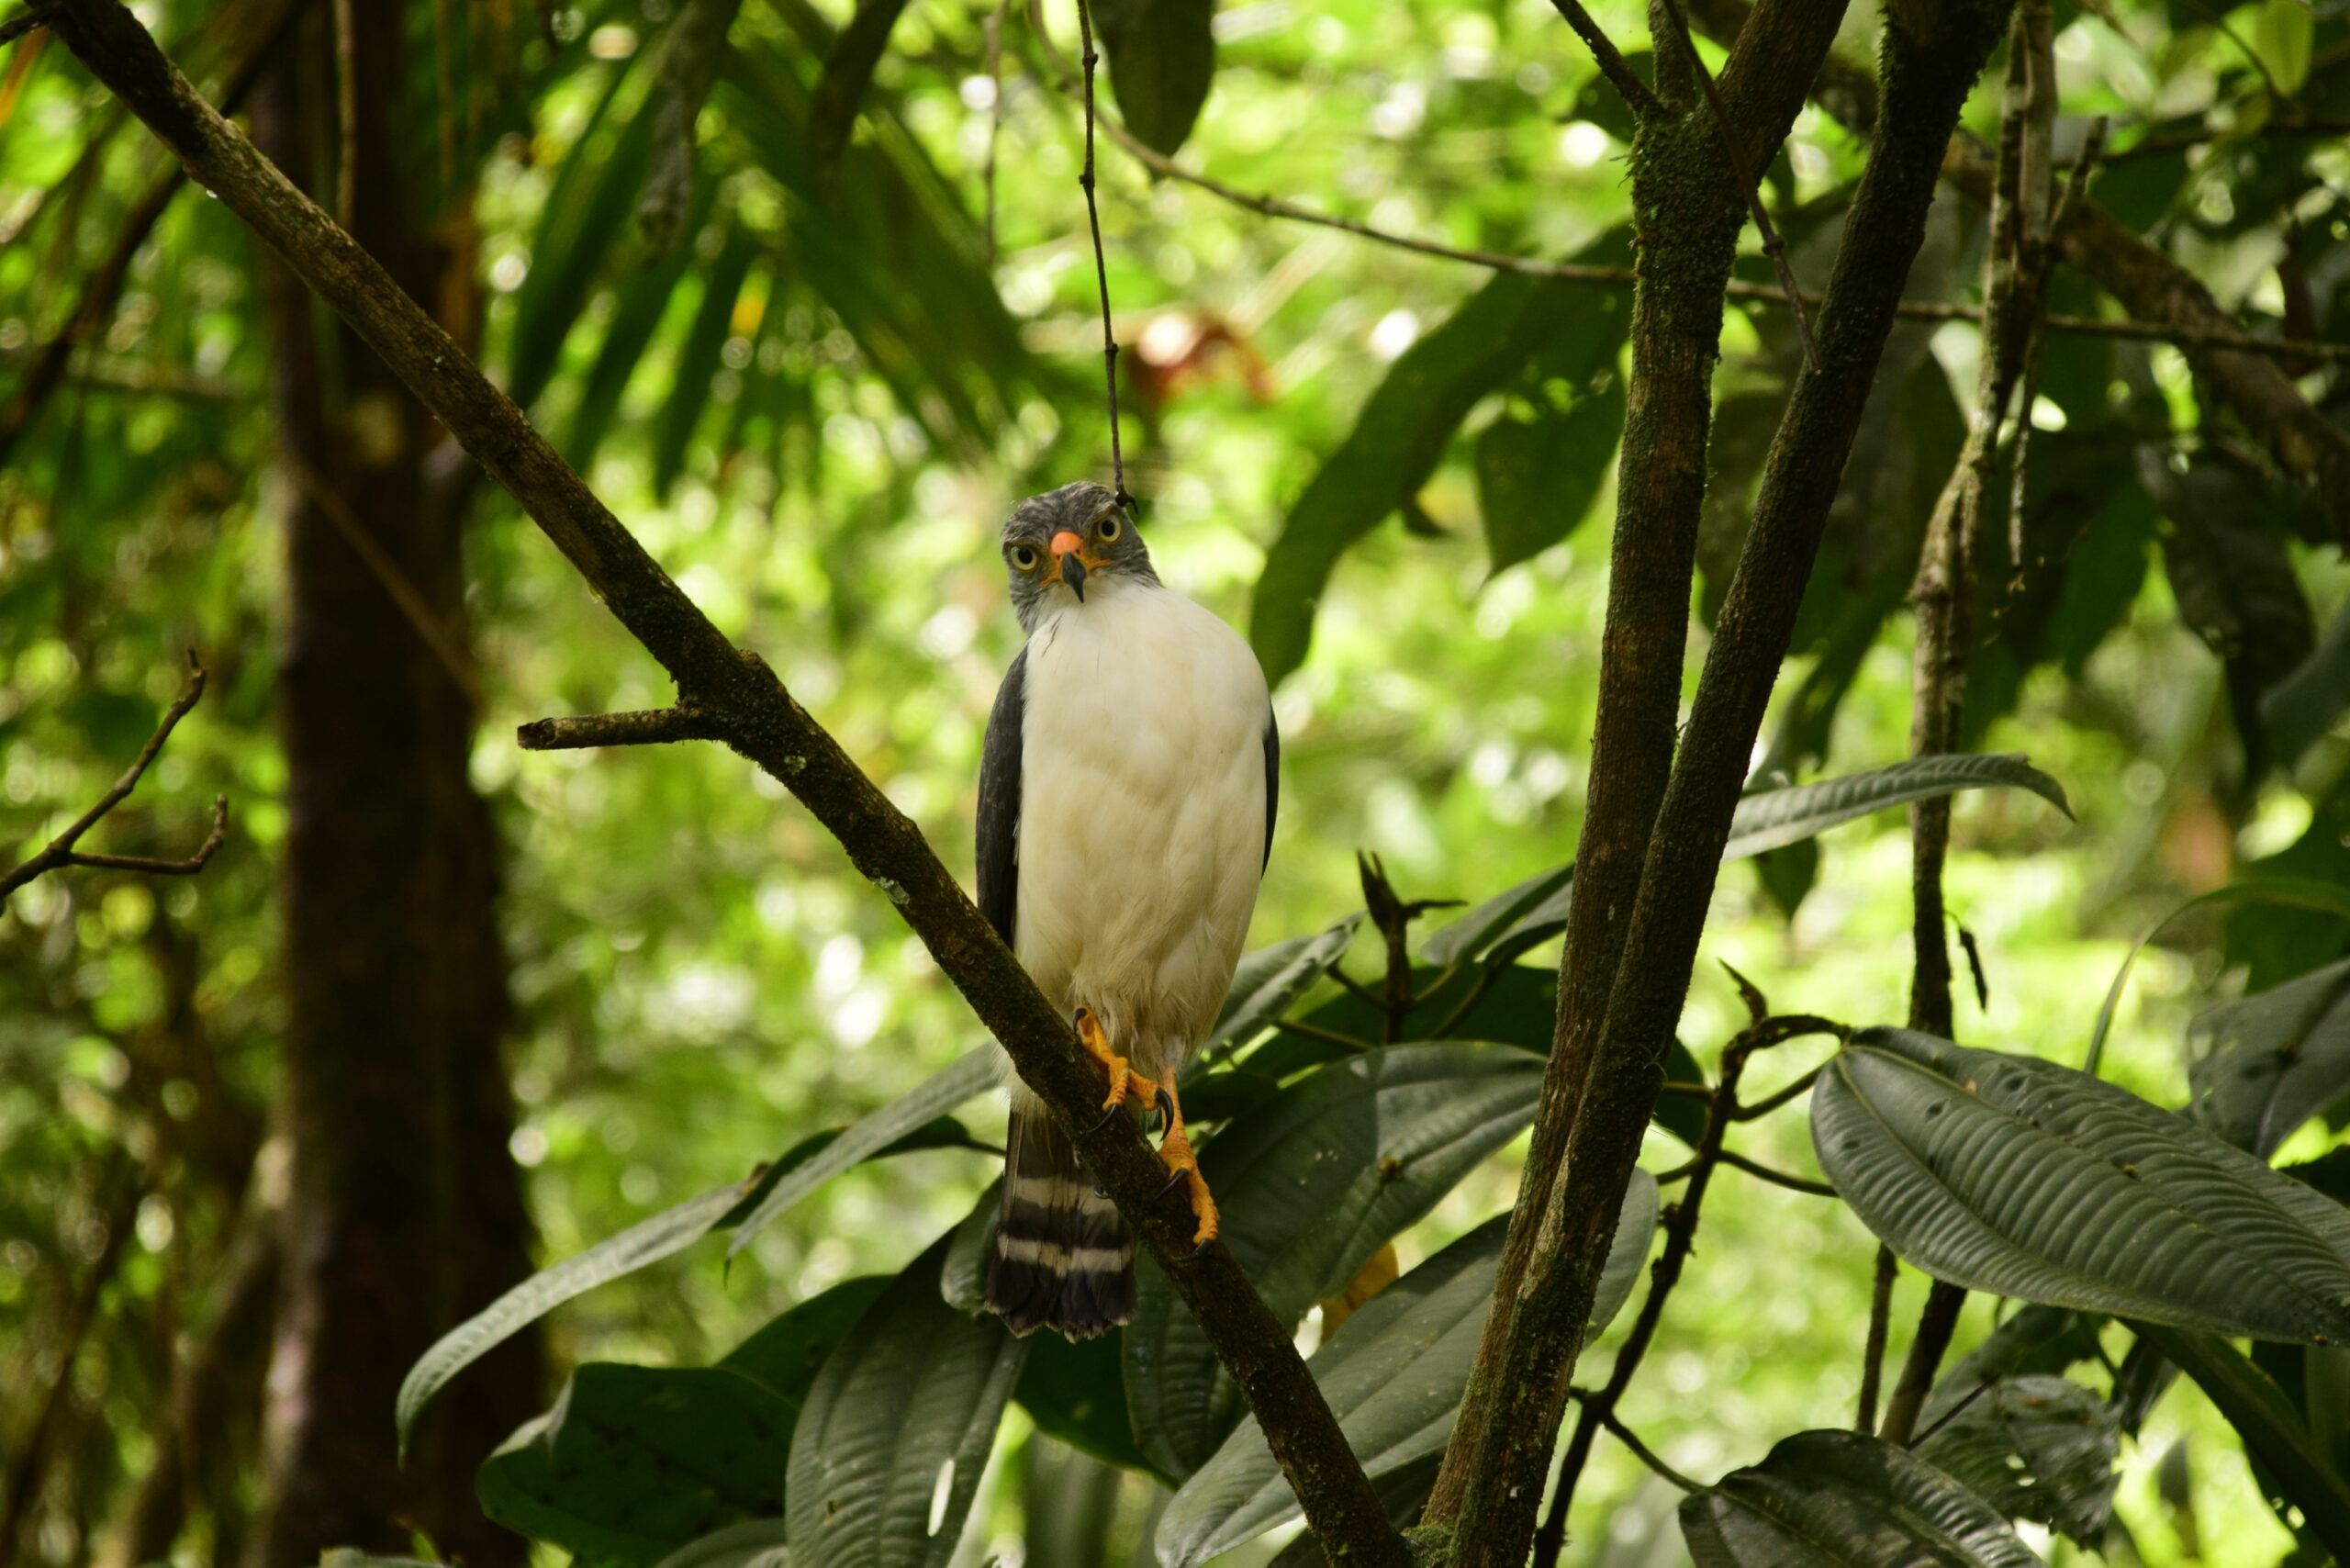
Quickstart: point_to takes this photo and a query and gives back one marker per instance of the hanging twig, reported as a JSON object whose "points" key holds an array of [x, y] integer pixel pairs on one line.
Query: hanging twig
{"points": [[1747, 189], [1100, 267], [60, 851]]}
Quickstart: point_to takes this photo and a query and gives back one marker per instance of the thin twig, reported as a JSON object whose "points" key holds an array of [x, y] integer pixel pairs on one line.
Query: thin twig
{"points": [[1947, 1417], [1100, 267], [60, 851], [1749, 191], [23, 22], [1936, 1323], [1299, 1027], [1872, 1356], [1615, 1427], [1760, 1172], [1610, 61], [335, 506], [1777, 1098], [656, 726]]}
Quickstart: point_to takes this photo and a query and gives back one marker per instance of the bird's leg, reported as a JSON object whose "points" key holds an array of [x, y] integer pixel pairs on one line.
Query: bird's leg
{"points": [[1175, 1149], [1124, 1079]]}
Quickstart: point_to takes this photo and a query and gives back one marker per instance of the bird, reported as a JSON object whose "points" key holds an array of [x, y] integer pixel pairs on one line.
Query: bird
{"points": [[1128, 785]]}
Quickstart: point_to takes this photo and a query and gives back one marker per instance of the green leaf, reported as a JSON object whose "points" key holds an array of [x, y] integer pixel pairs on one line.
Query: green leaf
{"points": [[1162, 62], [1487, 923], [2017, 1176], [2285, 32], [848, 72], [1777, 818], [2294, 892], [1311, 1184], [644, 304], [1270, 979], [634, 1462], [974, 1073], [1841, 1500], [1394, 1374], [785, 1355], [2272, 1431], [2261, 1067], [890, 1445], [2035, 1448], [699, 358], [585, 216], [2034, 1340], [669, 1232], [754, 1543], [2302, 706], [1076, 1392], [1537, 479], [1398, 438]]}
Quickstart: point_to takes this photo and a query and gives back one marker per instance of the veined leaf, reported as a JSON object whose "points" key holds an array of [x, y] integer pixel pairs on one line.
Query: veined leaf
{"points": [[634, 1462], [933, 1097], [1162, 62], [1537, 479], [2272, 1431], [2037, 1447], [1393, 1373], [2261, 1067], [754, 1543], [1270, 979], [1485, 923], [1841, 1500], [1311, 1184], [2008, 1175], [890, 1445]]}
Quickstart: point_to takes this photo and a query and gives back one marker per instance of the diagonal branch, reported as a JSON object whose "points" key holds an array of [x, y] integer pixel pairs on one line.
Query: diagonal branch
{"points": [[60, 851], [759, 719], [1611, 62]]}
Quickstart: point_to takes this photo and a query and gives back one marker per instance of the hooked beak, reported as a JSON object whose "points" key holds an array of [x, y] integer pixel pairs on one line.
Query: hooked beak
{"points": [[1070, 562]]}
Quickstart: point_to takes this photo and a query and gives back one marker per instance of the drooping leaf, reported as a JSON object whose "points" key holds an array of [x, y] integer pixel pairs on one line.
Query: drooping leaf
{"points": [[1162, 60], [2037, 1447], [1400, 435], [699, 358], [1270, 979], [2262, 1065], [634, 1463], [754, 1543], [2035, 1340], [2017, 1176], [848, 72], [1394, 1373], [973, 1074], [2272, 1431], [1471, 933], [1537, 479], [1841, 1500], [786, 1352], [1310, 1185], [888, 1450]]}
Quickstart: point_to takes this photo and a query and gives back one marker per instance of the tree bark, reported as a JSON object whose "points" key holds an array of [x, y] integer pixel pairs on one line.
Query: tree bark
{"points": [[406, 1210]]}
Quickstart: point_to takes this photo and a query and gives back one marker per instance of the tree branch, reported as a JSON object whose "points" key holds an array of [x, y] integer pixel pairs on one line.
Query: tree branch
{"points": [[1931, 56], [1610, 61], [1873, 1352], [656, 726], [1935, 1325], [690, 57], [25, 21], [1687, 217], [60, 851], [763, 724]]}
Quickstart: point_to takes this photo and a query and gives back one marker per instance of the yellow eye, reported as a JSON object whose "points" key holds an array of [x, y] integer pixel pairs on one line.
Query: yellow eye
{"points": [[1107, 528], [1023, 557]]}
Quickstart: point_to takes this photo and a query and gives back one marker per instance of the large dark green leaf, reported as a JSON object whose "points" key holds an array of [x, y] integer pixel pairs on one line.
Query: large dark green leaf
{"points": [[2034, 1340], [1270, 979], [1162, 62], [2037, 1447], [585, 216], [1841, 1500], [2273, 1431], [1393, 1373], [2316, 894], [1487, 923], [1538, 477], [1398, 436], [2261, 1067], [754, 1543], [888, 1447], [2019, 1177], [1310, 1184], [977, 1071], [786, 1353], [634, 1462]]}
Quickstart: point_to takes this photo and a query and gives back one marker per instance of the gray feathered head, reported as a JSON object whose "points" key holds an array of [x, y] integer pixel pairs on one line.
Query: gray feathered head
{"points": [[1059, 544]]}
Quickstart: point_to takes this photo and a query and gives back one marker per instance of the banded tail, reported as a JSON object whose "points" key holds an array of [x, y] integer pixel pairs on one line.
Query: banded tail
{"points": [[1064, 1260]]}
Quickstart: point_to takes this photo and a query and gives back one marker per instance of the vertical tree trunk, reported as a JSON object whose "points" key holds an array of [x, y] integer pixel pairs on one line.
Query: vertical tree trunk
{"points": [[405, 1208]]}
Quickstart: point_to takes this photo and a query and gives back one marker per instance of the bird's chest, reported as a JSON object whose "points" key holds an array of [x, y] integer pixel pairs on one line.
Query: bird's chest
{"points": [[1142, 801]]}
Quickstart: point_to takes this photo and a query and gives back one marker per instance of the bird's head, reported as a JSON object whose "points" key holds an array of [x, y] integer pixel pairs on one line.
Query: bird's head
{"points": [[1066, 544]]}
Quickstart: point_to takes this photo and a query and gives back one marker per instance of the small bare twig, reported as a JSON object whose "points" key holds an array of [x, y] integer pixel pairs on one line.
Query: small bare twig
{"points": [[1974, 952], [25, 21], [1872, 1357], [1777, 1098], [60, 851], [652, 726], [1947, 1417], [1747, 189], [1301, 1028], [1610, 61], [1760, 1172], [1100, 267], [1936, 1323], [2044, 227]]}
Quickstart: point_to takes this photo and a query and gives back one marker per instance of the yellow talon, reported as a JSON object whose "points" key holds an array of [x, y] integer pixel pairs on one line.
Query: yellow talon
{"points": [[1122, 1075], [1175, 1149]]}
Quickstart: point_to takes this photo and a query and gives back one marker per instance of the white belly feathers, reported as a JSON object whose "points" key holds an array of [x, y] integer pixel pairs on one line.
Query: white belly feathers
{"points": [[1142, 814]]}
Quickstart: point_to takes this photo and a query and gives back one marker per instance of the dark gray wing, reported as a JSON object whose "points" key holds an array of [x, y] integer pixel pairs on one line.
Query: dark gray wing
{"points": [[1272, 785], [999, 824]]}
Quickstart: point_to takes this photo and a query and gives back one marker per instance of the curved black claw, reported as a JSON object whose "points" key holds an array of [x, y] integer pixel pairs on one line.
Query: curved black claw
{"points": [[1202, 1247], [1171, 1183], [1165, 1103], [1104, 1121]]}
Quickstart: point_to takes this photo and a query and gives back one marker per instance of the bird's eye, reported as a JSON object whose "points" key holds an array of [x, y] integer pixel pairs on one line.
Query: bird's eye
{"points": [[1023, 557], [1107, 528]]}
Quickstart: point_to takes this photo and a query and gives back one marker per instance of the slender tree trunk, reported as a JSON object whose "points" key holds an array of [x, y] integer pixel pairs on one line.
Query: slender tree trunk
{"points": [[404, 1208]]}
